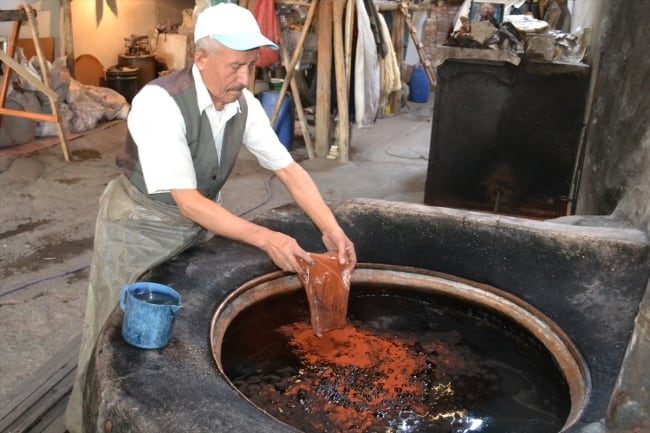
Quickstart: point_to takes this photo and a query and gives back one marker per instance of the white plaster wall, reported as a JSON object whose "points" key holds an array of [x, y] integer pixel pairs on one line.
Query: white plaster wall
{"points": [[98, 28], [103, 36]]}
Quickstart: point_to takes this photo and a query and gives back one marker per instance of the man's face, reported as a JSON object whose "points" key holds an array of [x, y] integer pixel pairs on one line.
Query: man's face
{"points": [[225, 72]]}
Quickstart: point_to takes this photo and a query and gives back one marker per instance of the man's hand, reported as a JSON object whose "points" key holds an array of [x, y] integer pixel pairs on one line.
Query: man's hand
{"points": [[337, 242], [285, 252]]}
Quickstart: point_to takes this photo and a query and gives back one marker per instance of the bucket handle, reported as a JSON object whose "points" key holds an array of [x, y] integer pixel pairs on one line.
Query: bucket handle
{"points": [[125, 291]]}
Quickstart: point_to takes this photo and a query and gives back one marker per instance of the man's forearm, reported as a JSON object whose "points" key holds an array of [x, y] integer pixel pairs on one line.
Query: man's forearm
{"points": [[283, 250], [306, 194], [217, 219]]}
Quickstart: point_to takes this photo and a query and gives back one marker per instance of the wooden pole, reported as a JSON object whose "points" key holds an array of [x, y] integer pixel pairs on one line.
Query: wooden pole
{"points": [[11, 50], [291, 68], [298, 104], [45, 74], [341, 82], [349, 27], [398, 46], [324, 77], [67, 32]]}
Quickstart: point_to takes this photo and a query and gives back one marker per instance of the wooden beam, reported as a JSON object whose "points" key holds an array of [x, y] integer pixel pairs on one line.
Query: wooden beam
{"points": [[398, 46], [13, 15], [324, 77], [42, 117]]}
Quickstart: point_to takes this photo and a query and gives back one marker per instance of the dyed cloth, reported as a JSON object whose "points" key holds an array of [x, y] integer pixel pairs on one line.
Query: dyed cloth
{"points": [[327, 284]]}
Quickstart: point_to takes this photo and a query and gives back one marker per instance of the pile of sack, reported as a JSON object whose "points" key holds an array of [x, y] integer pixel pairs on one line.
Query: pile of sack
{"points": [[80, 106]]}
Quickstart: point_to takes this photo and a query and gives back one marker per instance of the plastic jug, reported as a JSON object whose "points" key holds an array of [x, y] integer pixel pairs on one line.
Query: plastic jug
{"points": [[149, 314]]}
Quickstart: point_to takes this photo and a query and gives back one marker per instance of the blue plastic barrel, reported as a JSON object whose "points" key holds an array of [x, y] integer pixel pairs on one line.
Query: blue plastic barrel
{"points": [[419, 87], [284, 123]]}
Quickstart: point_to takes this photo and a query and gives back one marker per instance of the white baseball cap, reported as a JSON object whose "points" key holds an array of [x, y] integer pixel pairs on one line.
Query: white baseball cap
{"points": [[233, 26]]}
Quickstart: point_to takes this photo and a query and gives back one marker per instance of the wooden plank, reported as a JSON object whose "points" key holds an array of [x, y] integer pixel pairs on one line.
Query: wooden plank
{"points": [[43, 412], [54, 422], [28, 114], [69, 352], [49, 384], [31, 412]]}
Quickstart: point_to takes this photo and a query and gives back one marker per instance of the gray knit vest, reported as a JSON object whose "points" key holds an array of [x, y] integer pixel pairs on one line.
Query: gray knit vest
{"points": [[211, 172]]}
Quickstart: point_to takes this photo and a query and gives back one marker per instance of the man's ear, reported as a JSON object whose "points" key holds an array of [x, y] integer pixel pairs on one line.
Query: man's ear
{"points": [[199, 58]]}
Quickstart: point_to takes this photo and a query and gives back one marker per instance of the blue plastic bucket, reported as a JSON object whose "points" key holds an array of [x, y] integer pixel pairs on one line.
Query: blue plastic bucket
{"points": [[284, 123], [419, 87], [149, 313]]}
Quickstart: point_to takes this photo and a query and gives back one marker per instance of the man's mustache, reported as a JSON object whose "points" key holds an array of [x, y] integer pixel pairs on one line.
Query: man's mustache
{"points": [[236, 88]]}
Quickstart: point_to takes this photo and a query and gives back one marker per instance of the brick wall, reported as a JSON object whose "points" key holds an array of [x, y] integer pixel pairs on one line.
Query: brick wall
{"points": [[438, 26]]}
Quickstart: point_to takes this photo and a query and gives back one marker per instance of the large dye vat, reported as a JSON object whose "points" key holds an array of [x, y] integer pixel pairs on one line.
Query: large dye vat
{"points": [[587, 280], [423, 353]]}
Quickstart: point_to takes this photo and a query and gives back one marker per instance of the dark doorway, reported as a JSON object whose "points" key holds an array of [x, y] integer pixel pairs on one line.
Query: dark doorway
{"points": [[505, 138]]}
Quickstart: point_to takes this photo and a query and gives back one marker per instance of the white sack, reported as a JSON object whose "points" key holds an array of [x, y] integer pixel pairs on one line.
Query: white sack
{"points": [[366, 74]]}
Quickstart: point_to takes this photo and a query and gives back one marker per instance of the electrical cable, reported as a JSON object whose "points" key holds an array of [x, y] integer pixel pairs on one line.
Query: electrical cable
{"points": [[40, 280], [419, 156], [267, 185]]}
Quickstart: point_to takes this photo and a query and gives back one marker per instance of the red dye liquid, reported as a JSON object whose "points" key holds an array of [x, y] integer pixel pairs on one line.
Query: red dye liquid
{"points": [[404, 363]]}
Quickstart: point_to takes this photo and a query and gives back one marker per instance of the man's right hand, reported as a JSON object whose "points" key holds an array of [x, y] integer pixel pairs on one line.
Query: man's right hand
{"points": [[285, 252]]}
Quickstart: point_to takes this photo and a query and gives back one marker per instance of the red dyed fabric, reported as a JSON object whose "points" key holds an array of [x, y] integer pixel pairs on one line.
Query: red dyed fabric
{"points": [[265, 15], [327, 284]]}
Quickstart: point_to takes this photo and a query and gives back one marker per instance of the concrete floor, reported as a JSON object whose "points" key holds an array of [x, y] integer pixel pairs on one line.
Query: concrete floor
{"points": [[48, 208]]}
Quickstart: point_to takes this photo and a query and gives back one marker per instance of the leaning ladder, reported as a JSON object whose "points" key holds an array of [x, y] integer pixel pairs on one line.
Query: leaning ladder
{"points": [[426, 64], [18, 16]]}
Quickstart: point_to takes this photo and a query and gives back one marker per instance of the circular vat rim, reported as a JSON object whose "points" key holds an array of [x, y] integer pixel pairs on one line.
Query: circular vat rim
{"points": [[569, 360]]}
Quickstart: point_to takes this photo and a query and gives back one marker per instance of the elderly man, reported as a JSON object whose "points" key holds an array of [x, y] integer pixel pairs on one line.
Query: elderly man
{"points": [[185, 131]]}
